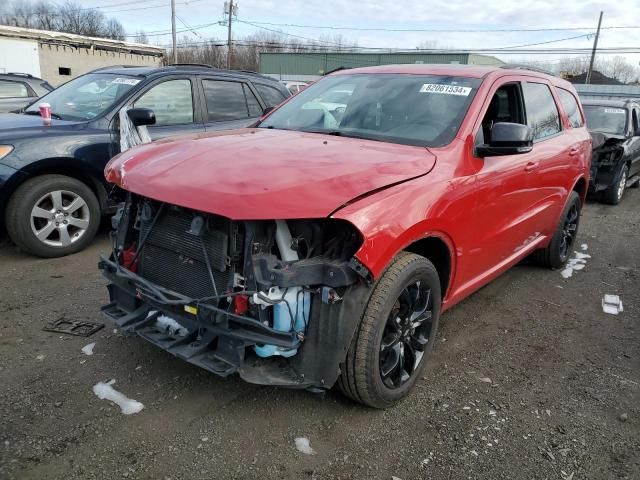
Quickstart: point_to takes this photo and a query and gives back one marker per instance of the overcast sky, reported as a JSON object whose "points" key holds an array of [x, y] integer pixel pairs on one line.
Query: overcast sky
{"points": [[420, 14]]}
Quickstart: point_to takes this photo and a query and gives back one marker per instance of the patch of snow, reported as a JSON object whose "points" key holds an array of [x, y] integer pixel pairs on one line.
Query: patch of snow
{"points": [[168, 324], [88, 349], [584, 246], [104, 391], [578, 262], [612, 304], [303, 445]]}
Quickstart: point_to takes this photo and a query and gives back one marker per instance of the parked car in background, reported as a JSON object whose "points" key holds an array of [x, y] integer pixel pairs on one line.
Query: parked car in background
{"points": [[52, 186], [615, 165], [17, 90], [295, 87], [322, 246]]}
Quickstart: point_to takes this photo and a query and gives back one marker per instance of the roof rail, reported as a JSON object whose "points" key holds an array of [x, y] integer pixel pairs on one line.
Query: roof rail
{"points": [[202, 65], [28, 75], [115, 66], [520, 66]]}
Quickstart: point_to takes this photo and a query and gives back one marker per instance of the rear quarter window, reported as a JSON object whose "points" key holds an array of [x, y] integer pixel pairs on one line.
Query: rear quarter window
{"points": [[10, 89], [570, 105], [271, 96]]}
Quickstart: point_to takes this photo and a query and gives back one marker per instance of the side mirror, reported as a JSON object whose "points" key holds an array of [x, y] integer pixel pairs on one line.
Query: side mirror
{"points": [[267, 110], [507, 139], [142, 116]]}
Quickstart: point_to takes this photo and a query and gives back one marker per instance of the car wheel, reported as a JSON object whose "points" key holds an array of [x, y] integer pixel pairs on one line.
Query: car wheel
{"points": [[52, 216], [613, 194], [564, 238], [395, 335]]}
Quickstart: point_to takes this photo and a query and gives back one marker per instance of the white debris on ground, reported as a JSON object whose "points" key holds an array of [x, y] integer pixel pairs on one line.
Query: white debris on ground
{"points": [[578, 262], [88, 349], [612, 304], [303, 445], [584, 246], [40, 357], [170, 325], [104, 391]]}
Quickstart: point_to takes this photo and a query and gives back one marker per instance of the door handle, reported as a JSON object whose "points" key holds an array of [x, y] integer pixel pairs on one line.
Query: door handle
{"points": [[529, 167], [574, 151]]}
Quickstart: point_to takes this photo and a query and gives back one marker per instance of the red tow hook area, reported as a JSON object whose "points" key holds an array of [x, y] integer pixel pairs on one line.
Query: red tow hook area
{"points": [[127, 258], [240, 304]]}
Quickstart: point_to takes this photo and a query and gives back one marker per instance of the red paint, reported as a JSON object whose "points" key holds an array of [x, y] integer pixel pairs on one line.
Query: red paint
{"points": [[240, 304], [490, 213], [256, 174]]}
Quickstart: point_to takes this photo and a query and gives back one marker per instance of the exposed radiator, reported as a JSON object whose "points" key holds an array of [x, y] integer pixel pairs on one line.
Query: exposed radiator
{"points": [[173, 258]]}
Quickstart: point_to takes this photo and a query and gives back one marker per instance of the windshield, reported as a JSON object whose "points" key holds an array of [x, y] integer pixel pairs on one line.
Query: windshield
{"points": [[86, 97], [606, 119], [423, 110]]}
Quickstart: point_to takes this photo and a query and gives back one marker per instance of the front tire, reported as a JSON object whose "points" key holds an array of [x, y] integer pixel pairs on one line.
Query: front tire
{"points": [[52, 216], [613, 194], [396, 334]]}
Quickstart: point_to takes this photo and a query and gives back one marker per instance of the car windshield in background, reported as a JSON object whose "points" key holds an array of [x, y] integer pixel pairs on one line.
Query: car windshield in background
{"points": [[606, 119], [86, 97], [424, 110]]}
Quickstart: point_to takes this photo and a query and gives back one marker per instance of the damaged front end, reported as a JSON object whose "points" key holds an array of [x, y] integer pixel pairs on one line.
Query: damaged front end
{"points": [[276, 301], [607, 160]]}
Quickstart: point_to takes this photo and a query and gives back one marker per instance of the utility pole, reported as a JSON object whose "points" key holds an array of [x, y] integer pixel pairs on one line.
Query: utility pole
{"points": [[230, 7], [593, 52], [173, 30]]}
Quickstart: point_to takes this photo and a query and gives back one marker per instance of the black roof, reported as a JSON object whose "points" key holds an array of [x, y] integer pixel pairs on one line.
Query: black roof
{"points": [[179, 68], [597, 78], [609, 103]]}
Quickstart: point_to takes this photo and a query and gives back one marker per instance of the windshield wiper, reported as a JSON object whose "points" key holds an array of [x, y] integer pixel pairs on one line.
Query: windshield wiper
{"points": [[33, 112]]}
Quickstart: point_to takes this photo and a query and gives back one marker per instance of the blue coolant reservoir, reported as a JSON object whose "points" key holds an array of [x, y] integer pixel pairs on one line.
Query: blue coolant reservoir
{"points": [[292, 306], [292, 311]]}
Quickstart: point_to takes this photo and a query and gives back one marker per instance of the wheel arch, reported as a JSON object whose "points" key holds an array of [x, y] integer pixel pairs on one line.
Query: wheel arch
{"points": [[69, 167], [580, 187], [438, 251]]}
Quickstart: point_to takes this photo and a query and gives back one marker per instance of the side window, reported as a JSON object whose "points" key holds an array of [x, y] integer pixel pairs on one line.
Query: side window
{"points": [[270, 95], [171, 101], [229, 101], [570, 105], [13, 89], [542, 113], [255, 110], [505, 106]]}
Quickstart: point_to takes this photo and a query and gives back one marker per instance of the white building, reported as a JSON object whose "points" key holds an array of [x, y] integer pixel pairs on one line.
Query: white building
{"points": [[58, 57]]}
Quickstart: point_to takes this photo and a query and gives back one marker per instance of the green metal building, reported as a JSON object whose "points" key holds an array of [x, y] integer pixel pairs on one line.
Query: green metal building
{"points": [[308, 66]]}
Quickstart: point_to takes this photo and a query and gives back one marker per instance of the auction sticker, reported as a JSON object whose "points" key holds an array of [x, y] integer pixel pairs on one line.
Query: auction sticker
{"points": [[126, 81], [445, 89], [614, 110]]}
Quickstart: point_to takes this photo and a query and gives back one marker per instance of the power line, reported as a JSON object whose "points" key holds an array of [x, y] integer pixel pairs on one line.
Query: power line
{"points": [[480, 30]]}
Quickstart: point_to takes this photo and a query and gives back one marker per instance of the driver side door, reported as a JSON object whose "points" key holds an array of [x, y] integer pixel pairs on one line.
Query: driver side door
{"points": [[172, 100]]}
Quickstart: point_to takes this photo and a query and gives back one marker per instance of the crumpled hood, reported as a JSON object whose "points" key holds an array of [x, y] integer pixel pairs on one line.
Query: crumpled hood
{"points": [[598, 139], [256, 174], [17, 125]]}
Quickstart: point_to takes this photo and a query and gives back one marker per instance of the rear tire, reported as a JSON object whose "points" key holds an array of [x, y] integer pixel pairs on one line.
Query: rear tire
{"points": [[52, 216], [396, 334], [564, 238], [613, 194]]}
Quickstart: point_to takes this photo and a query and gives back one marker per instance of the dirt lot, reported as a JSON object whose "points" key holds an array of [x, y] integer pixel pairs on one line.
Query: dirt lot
{"points": [[529, 379]]}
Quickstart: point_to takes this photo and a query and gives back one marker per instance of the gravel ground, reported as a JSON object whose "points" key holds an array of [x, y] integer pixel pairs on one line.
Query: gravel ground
{"points": [[529, 379]]}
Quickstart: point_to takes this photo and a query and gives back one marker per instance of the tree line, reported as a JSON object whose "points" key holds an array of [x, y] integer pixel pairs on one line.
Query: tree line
{"points": [[69, 17]]}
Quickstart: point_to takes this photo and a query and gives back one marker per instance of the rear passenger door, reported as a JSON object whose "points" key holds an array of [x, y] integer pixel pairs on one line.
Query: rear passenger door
{"points": [[172, 100], [15, 95], [557, 156], [229, 104]]}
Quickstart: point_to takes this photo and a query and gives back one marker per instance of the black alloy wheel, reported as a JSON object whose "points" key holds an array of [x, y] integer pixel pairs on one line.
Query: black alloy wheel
{"points": [[406, 334]]}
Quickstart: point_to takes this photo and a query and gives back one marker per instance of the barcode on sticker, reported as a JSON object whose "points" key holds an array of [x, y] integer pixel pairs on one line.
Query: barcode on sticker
{"points": [[126, 81], [445, 89], [614, 110]]}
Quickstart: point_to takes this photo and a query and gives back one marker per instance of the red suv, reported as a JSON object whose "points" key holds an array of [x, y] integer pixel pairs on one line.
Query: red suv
{"points": [[321, 246]]}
